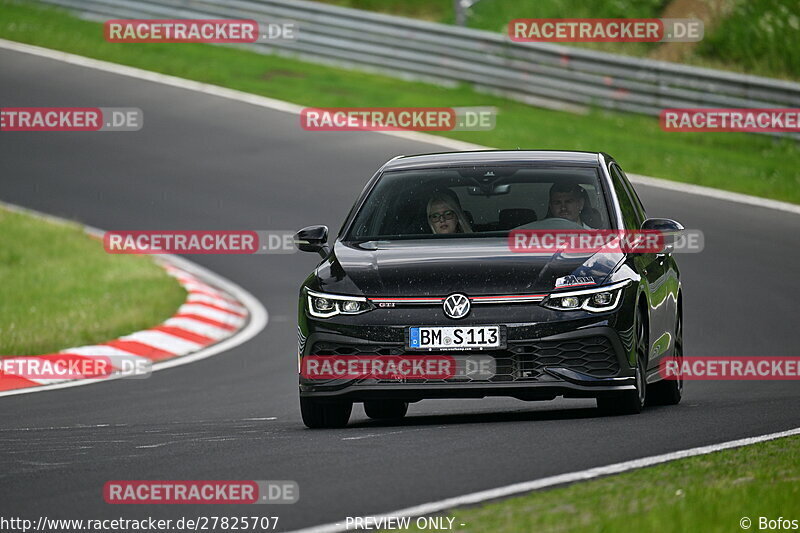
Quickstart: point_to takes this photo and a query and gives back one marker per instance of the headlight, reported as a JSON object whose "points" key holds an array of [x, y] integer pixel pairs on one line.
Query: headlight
{"points": [[595, 300], [601, 298], [323, 305]]}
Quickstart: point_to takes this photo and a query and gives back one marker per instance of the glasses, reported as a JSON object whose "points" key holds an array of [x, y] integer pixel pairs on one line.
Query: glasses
{"points": [[447, 215]]}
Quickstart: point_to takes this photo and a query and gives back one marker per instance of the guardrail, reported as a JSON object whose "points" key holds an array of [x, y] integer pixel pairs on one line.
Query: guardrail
{"points": [[538, 73]]}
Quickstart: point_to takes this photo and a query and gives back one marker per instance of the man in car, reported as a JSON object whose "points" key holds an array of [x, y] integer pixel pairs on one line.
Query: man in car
{"points": [[567, 201]]}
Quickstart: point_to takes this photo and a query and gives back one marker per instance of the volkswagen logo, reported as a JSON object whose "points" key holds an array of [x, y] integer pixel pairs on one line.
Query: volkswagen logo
{"points": [[456, 306]]}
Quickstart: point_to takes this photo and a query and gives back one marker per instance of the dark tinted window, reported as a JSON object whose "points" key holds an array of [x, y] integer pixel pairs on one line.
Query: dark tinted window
{"points": [[637, 203], [486, 201], [631, 216]]}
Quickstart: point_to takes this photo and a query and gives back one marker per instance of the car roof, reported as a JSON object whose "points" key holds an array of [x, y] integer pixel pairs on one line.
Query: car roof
{"points": [[484, 157]]}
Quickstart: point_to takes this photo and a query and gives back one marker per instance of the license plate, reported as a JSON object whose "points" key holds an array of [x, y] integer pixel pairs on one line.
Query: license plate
{"points": [[454, 338]]}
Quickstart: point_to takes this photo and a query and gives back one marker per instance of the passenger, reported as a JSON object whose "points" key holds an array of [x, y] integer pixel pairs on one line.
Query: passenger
{"points": [[445, 215], [567, 201]]}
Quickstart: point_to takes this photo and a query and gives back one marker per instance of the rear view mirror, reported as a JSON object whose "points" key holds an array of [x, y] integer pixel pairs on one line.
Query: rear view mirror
{"points": [[669, 228], [666, 225], [489, 191], [313, 239]]}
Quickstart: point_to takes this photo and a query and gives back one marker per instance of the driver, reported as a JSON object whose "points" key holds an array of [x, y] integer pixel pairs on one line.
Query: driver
{"points": [[567, 201]]}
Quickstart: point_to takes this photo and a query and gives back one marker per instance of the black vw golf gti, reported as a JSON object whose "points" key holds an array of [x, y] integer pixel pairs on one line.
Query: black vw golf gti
{"points": [[423, 268]]}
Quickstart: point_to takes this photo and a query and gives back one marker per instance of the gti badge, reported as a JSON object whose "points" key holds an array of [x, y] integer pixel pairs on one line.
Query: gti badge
{"points": [[456, 306]]}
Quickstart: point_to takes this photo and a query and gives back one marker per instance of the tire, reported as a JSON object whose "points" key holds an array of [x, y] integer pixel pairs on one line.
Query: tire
{"points": [[325, 415], [670, 391], [386, 410], [631, 402]]}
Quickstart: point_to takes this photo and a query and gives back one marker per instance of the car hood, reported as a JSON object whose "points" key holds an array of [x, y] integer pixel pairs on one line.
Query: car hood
{"points": [[476, 266]]}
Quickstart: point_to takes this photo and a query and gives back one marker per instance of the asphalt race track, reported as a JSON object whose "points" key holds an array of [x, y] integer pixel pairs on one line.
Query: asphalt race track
{"points": [[203, 162]]}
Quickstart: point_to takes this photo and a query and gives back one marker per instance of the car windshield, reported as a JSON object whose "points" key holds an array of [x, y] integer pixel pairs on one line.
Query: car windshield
{"points": [[480, 201]]}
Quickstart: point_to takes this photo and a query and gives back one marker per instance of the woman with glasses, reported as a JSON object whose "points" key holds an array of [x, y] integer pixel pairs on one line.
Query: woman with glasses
{"points": [[445, 215]]}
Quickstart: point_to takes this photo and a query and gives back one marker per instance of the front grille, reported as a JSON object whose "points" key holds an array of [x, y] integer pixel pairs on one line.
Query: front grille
{"points": [[593, 356], [521, 361]]}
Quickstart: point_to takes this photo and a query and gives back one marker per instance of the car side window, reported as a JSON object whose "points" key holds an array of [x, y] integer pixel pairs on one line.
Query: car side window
{"points": [[630, 217], [637, 203]]}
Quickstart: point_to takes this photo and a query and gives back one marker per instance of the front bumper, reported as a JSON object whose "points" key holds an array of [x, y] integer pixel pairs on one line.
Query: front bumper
{"points": [[585, 357]]}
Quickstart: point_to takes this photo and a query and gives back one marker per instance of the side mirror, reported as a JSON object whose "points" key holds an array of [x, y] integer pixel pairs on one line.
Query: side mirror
{"points": [[313, 239], [671, 230]]}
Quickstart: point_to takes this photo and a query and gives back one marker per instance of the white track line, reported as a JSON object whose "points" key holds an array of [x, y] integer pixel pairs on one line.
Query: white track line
{"points": [[562, 479], [279, 105], [717, 194], [258, 315]]}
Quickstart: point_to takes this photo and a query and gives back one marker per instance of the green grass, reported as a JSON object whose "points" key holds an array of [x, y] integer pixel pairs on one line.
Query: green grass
{"points": [[709, 493], [759, 37], [750, 164], [433, 10], [61, 289], [494, 14], [755, 36]]}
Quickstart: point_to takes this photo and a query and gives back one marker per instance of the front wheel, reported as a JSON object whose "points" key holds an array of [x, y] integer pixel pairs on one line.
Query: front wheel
{"points": [[318, 414], [631, 402]]}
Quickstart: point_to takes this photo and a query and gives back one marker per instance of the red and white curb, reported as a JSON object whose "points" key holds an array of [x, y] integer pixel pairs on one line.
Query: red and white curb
{"points": [[208, 316], [216, 316]]}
